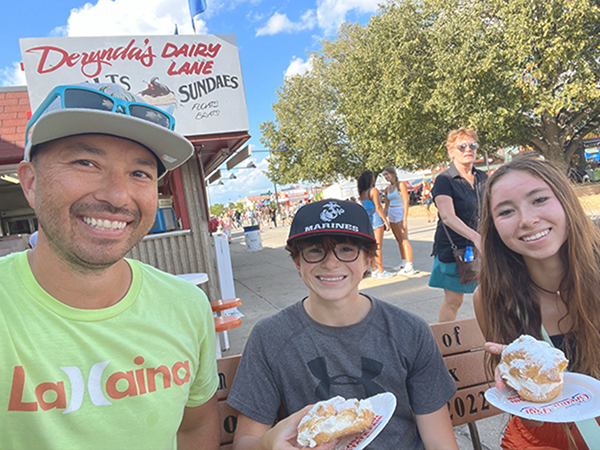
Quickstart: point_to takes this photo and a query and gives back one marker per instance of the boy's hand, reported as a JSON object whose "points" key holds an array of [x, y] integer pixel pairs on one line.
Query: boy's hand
{"points": [[283, 436]]}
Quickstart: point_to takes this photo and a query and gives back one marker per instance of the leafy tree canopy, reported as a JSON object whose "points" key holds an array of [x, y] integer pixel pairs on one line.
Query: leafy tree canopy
{"points": [[520, 72], [217, 209]]}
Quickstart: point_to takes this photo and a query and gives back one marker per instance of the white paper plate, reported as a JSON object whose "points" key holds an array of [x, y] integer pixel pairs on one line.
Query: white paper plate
{"points": [[578, 400], [384, 406]]}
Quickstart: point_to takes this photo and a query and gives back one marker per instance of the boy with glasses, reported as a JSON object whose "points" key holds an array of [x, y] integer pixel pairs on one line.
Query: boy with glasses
{"points": [[337, 341], [99, 351]]}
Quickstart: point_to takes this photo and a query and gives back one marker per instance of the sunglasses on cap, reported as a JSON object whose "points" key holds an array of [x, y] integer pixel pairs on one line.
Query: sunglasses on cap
{"points": [[463, 147], [81, 97]]}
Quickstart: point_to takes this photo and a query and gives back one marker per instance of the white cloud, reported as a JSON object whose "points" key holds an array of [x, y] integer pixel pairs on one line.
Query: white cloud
{"points": [[279, 23], [298, 66], [12, 76], [328, 16], [124, 17], [248, 182], [331, 13], [130, 17]]}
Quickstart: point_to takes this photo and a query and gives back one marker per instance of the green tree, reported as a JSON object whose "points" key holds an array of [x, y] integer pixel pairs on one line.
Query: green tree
{"points": [[388, 93], [217, 209], [553, 49]]}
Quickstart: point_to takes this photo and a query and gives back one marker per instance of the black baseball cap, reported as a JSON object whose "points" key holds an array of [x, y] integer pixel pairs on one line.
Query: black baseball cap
{"points": [[331, 217]]}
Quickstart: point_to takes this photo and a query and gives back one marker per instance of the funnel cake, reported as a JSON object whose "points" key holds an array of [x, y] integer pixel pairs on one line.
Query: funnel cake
{"points": [[334, 419], [533, 368]]}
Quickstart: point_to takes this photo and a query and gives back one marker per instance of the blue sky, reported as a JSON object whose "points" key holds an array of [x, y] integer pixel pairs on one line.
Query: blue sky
{"points": [[273, 40]]}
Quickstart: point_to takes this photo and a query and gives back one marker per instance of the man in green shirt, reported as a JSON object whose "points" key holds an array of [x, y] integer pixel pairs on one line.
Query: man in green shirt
{"points": [[99, 351]]}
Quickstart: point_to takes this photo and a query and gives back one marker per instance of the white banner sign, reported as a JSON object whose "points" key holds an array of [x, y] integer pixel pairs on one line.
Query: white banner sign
{"points": [[197, 78]]}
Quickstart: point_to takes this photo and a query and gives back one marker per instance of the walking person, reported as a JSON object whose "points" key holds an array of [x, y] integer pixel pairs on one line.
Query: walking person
{"points": [[227, 223], [78, 318], [396, 209], [540, 272], [428, 200], [456, 193], [369, 197]]}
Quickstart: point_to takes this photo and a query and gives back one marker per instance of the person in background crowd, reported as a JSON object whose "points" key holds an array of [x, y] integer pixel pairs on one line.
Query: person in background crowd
{"points": [[78, 318], [596, 174], [396, 209], [540, 272], [337, 341], [226, 223], [213, 224], [238, 219], [457, 192], [284, 215], [273, 213], [428, 200], [369, 197]]}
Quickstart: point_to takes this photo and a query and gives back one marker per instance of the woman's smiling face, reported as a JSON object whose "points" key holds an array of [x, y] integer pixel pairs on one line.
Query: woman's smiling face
{"points": [[528, 216]]}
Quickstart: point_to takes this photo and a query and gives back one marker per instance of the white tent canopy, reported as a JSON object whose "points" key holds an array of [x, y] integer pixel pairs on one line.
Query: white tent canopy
{"points": [[346, 189]]}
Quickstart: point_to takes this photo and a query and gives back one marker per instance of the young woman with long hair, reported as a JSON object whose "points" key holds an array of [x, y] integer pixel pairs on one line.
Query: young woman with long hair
{"points": [[396, 210], [540, 272], [369, 197]]}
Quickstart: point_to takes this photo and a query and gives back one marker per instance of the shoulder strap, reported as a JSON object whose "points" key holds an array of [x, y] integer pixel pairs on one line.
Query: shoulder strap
{"points": [[547, 337], [452, 244]]}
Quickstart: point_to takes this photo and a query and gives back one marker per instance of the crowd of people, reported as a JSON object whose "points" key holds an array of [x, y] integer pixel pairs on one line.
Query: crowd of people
{"points": [[261, 216], [86, 331]]}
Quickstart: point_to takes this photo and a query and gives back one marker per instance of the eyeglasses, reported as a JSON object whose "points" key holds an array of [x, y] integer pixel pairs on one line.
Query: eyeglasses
{"points": [[81, 97], [473, 146], [344, 252]]}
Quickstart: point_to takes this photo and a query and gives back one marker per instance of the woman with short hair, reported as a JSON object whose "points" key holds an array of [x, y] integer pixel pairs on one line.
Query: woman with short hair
{"points": [[456, 194]]}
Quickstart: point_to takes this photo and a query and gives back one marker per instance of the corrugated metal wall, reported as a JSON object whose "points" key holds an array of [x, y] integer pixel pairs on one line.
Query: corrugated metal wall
{"points": [[187, 253]]}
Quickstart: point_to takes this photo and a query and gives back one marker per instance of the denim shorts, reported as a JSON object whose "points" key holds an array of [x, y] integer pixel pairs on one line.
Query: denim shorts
{"points": [[376, 220]]}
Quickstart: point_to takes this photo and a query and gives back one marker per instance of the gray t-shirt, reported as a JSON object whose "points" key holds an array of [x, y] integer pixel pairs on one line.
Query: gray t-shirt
{"points": [[291, 359]]}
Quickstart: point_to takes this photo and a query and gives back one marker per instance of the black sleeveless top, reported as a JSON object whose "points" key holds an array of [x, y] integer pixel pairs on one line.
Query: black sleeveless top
{"points": [[559, 342]]}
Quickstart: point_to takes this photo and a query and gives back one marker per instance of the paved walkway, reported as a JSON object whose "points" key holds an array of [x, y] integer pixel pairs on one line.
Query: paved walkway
{"points": [[267, 281]]}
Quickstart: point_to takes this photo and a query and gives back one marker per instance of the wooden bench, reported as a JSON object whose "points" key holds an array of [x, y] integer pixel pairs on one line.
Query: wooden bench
{"points": [[226, 367], [461, 345]]}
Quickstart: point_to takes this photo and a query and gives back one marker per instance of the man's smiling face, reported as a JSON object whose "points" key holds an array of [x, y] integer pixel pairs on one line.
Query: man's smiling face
{"points": [[95, 197]]}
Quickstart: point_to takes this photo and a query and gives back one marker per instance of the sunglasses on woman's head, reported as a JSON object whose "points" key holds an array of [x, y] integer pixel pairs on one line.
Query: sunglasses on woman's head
{"points": [[473, 146]]}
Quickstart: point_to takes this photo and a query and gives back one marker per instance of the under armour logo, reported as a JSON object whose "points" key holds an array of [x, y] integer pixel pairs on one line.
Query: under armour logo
{"points": [[370, 370]]}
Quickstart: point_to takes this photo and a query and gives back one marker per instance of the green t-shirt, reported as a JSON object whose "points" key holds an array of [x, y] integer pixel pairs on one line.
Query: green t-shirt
{"points": [[112, 378]]}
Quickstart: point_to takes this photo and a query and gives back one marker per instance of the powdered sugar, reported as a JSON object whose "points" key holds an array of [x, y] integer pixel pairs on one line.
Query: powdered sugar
{"points": [[538, 353], [333, 421]]}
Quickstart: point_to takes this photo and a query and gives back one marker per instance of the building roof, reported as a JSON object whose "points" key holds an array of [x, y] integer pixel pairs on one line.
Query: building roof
{"points": [[14, 114]]}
